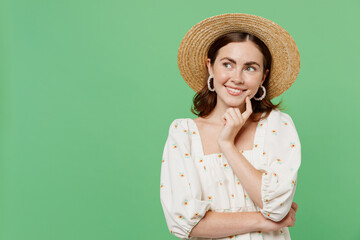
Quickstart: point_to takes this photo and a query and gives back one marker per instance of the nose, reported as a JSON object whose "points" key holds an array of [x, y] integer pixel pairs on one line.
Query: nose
{"points": [[237, 77]]}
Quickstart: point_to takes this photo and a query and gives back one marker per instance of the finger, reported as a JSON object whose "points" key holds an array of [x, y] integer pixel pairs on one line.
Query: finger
{"points": [[292, 215], [228, 117], [295, 206], [238, 114], [293, 211], [248, 110], [223, 119], [234, 115], [230, 112]]}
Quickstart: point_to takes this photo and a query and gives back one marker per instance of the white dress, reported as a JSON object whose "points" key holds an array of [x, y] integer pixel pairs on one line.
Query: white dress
{"points": [[192, 183]]}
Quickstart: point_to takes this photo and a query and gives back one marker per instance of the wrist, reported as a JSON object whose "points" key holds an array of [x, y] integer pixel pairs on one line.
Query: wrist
{"points": [[261, 222], [225, 146]]}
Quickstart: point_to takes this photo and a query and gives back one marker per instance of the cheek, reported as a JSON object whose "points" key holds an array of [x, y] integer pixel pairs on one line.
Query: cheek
{"points": [[254, 86], [255, 80], [253, 83], [222, 77]]}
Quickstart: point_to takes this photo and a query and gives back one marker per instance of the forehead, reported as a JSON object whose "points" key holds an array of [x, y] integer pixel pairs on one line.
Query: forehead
{"points": [[242, 51]]}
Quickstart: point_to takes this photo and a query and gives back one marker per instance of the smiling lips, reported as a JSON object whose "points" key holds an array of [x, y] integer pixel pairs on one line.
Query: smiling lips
{"points": [[234, 92]]}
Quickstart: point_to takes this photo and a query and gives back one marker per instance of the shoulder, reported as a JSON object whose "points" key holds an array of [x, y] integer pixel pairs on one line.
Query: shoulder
{"points": [[283, 125], [180, 124], [280, 117], [179, 133]]}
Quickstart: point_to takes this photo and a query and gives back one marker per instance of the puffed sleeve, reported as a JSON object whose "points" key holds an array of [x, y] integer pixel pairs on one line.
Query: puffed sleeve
{"points": [[180, 190], [283, 151]]}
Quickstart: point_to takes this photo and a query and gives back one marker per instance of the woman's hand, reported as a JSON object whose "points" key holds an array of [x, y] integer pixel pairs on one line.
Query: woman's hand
{"points": [[233, 121], [288, 221]]}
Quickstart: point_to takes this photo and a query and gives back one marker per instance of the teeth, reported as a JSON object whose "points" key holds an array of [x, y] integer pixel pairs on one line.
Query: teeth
{"points": [[234, 90]]}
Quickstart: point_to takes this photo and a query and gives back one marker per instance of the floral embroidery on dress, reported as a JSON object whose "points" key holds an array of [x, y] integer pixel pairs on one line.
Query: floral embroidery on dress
{"points": [[220, 182], [192, 133], [246, 197]]}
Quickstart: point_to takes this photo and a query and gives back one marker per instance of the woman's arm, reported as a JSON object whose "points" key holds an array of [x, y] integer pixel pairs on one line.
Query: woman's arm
{"points": [[247, 174], [224, 224], [273, 188]]}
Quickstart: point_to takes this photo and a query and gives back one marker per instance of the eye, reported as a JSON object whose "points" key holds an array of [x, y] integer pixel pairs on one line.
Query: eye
{"points": [[226, 64], [253, 69]]}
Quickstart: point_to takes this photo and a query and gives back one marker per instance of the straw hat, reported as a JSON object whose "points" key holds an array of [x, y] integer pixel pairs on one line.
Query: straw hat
{"points": [[192, 53]]}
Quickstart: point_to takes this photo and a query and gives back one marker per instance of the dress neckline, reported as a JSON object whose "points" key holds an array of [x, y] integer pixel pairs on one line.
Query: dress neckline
{"points": [[220, 153]]}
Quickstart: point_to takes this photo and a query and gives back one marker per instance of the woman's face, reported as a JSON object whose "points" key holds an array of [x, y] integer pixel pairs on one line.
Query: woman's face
{"points": [[238, 65]]}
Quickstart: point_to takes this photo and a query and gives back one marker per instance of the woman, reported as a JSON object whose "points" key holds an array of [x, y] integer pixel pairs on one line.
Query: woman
{"points": [[231, 173]]}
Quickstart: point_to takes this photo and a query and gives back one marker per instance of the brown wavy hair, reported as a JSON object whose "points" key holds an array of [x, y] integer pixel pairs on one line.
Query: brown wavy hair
{"points": [[204, 101]]}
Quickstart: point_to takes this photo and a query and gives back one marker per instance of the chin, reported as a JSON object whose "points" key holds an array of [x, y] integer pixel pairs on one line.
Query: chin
{"points": [[233, 104]]}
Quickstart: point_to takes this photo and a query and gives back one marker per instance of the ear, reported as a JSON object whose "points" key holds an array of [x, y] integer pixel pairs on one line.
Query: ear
{"points": [[265, 75], [210, 70]]}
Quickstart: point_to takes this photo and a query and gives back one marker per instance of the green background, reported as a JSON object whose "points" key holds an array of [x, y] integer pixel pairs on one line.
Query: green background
{"points": [[88, 92]]}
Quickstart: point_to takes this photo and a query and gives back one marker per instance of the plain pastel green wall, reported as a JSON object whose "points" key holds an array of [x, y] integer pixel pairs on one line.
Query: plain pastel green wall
{"points": [[89, 89]]}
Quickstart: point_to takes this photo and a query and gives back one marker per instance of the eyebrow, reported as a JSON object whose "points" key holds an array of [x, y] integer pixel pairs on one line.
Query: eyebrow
{"points": [[233, 61]]}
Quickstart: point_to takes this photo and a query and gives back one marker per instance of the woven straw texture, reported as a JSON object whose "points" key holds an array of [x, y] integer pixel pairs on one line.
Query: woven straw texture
{"points": [[192, 53]]}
